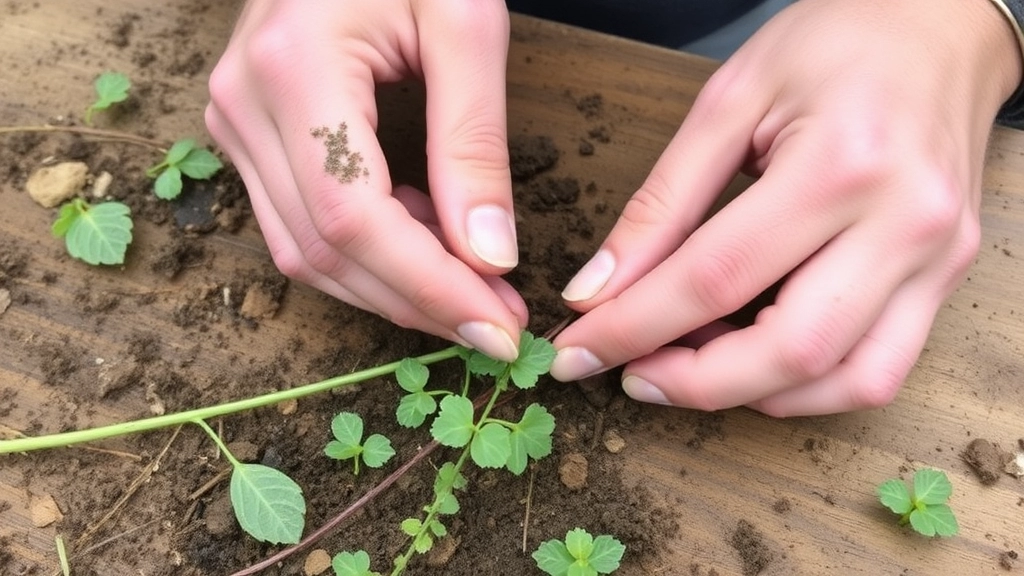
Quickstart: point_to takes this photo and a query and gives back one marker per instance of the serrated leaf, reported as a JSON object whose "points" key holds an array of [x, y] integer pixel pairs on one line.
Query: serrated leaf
{"points": [[423, 542], [448, 479], [347, 428], [268, 504], [414, 408], [606, 555], [553, 558], [411, 526], [110, 87], [531, 437], [100, 234], [69, 212], [894, 495], [935, 520], [168, 184], [200, 164], [453, 426], [412, 375], [931, 486], [483, 365], [448, 504], [490, 447], [179, 150], [535, 358], [438, 529], [377, 451], [580, 543], [352, 564]]}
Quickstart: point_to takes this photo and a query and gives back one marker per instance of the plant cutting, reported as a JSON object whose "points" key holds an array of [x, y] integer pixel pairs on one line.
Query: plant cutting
{"points": [[925, 508], [580, 554]]}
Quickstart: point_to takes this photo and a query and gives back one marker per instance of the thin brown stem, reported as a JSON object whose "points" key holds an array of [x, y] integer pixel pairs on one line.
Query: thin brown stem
{"points": [[99, 133]]}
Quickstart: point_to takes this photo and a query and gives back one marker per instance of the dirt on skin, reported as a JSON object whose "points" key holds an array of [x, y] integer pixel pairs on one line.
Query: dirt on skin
{"points": [[178, 518]]}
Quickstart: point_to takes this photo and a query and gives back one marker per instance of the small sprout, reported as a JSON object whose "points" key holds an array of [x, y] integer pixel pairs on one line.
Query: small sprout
{"points": [[111, 87], [347, 427], [925, 509], [580, 554], [415, 406], [184, 157], [352, 564], [97, 234]]}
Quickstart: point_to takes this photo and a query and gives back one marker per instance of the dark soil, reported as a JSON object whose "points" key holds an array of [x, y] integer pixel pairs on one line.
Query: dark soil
{"points": [[987, 460]]}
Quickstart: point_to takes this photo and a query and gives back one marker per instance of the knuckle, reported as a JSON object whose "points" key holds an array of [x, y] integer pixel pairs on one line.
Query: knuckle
{"points": [[938, 211], [480, 21], [809, 355], [719, 278], [272, 51], [289, 261], [341, 225], [649, 205], [480, 144]]}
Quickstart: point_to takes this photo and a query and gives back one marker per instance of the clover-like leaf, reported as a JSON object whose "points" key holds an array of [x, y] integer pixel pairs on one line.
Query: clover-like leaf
{"points": [[268, 504], [535, 358], [377, 451], [931, 487], [414, 408], [199, 164], [530, 438], [352, 564], [490, 447], [347, 428], [97, 234], [412, 375], [895, 496], [168, 184], [454, 426]]}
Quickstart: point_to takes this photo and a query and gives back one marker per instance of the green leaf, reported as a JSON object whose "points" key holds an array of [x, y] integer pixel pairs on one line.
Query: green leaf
{"points": [[352, 564], [423, 542], [412, 526], [448, 479], [447, 504], [377, 451], [111, 87], [69, 212], [340, 451], [453, 426], [535, 358], [895, 496], [347, 428], [98, 234], [531, 437], [490, 447], [483, 365], [200, 164], [438, 528], [931, 486], [580, 570], [553, 558], [412, 375], [580, 543], [414, 408], [935, 520], [178, 151], [268, 504], [606, 555], [168, 184]]}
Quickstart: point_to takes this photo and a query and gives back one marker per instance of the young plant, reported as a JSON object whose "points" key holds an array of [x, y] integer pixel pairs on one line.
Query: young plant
{"points": [[111, 87], [925, 508], [352, 564], [348, 444], [580, 554], [183, 157], [97, 234]]}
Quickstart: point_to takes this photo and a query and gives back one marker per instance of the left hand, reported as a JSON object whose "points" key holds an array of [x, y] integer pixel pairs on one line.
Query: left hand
{"points": [[867, 122]]}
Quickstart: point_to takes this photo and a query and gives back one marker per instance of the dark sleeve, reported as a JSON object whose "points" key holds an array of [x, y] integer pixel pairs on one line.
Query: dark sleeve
{"points": [[1012, 113]]}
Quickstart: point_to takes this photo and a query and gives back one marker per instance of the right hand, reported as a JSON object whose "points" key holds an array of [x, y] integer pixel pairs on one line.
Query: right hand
{"points": [[430, 263]]}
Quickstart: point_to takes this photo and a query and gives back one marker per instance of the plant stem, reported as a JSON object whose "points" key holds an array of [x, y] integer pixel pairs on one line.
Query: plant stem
{"points": [[220, 443], [93, 132], [207, 413]]}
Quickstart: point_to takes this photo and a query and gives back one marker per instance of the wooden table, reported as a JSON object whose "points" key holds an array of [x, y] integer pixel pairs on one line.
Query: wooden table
{"points": [[966, 385]]}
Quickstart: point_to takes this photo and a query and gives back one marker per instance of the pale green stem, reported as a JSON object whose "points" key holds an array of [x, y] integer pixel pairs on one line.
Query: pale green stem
{"points": [[220, 443], [208, 413]]}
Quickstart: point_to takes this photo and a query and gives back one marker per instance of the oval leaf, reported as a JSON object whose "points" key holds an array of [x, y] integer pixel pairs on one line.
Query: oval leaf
{"points": [[412, 375], [377, 451], [268, 504], [453, 426], [200, 164], [168, 184], [100, 234], [490, 447]]}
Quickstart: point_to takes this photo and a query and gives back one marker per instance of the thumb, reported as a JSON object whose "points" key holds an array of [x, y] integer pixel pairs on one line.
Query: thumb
{"points": [[463, 51]]}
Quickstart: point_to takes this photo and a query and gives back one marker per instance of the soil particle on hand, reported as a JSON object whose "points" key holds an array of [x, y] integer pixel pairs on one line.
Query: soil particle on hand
{"points": [[749, 542], [572, 471], [49, 186], [986, 460], [531, 155]]}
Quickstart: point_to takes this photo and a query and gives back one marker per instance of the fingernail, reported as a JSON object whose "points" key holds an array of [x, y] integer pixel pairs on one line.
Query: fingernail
{"points": [[591, 278], [492, 236], [574, 363], [490, 340], [643, 391]]}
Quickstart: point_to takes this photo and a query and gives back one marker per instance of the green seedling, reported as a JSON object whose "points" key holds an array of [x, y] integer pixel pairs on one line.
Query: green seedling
{"points": [[183, 157], [925, 509], [580, 554], [352, 564], [348, 444], [111, 88], [267, 503], [97, 234]]}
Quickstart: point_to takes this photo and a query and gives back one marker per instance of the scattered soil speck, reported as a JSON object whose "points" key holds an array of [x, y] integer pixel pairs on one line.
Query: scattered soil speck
{"points": [[749, 542], [986, 460]]}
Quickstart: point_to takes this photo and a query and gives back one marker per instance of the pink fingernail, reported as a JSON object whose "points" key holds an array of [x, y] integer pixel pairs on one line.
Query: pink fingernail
{"points": [[574, 363], [492, 236], [591, 278], [643, 391], [490, 340]]}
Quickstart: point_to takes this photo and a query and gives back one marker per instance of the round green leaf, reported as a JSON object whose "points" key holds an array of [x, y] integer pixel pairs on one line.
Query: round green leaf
{"points": [[377, 451], [268, 504], [347, 428], [100, 234], [412, 375], [111, 87], [179, 150], [490, 447], [535, 358], [411, 526], [352, 564], [413, 409], [168, 184], [553, 558], [453, 426], [894, 495], [606, 555], [200, 164], [931, 486], [341, 451]]}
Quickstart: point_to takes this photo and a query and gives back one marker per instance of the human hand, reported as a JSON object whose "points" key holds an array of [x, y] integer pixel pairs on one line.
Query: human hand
{"points": [[867, 122], [292, 104]]}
